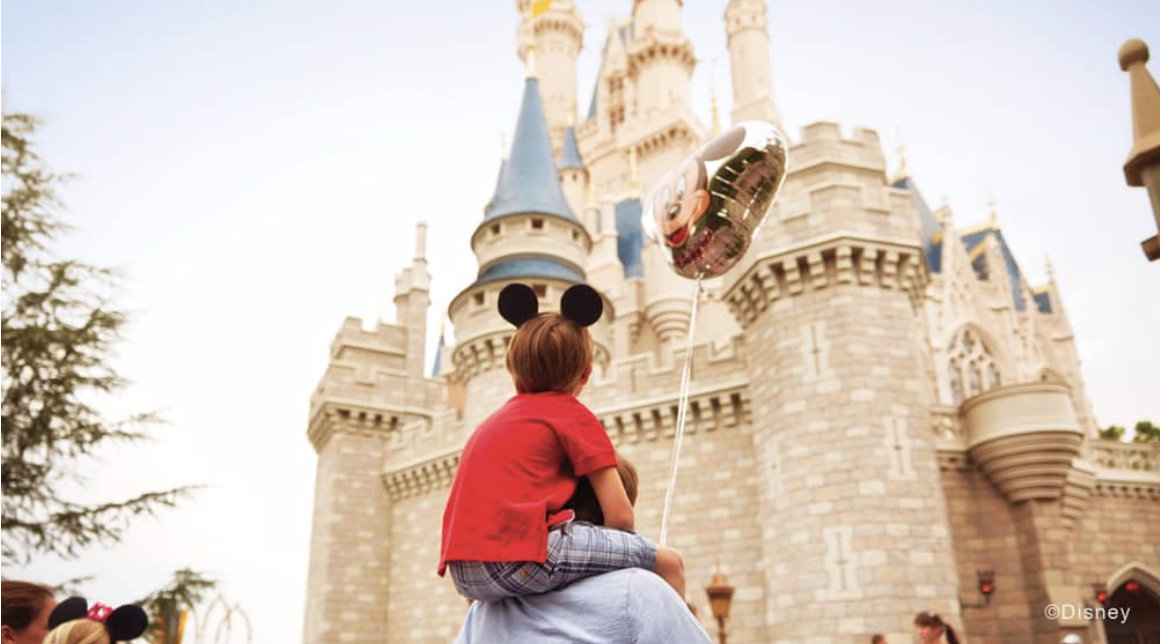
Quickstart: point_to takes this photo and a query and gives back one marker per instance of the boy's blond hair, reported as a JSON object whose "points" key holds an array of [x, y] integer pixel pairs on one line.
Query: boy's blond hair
{"points": [[549, 353]]}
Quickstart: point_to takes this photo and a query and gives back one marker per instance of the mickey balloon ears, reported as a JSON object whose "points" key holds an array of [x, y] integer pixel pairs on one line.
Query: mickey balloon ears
{"points": [[123, 624], [580, 304]]}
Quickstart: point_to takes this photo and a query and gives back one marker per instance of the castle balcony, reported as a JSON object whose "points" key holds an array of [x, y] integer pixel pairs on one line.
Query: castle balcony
{"points": [[1126, 469], [1024, 437]]}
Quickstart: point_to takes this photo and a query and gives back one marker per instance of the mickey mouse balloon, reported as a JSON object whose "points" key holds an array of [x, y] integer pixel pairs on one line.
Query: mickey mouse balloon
{"points": [[706, 212]]}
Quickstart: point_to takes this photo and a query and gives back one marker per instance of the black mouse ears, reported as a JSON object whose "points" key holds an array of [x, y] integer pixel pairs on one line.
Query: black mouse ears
{"points": [[581, 304], [125, 623]]}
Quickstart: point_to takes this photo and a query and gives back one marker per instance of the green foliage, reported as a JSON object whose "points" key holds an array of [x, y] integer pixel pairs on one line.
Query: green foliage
{"points": [[1146, 432], [58, 327], [187, 590], [1112, 433]]}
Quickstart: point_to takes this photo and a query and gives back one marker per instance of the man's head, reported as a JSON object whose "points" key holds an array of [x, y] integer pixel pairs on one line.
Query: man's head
{"points": [[584, 502], [550, 353], [878, 639]]}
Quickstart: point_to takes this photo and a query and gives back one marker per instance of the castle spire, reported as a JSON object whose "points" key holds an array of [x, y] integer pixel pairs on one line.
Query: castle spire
{"points": [[746, 27], [551, 33], [528, 182]]}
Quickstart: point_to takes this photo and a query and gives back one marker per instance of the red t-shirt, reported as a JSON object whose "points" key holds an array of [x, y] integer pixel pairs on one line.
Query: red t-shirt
{"points": [[515, 474]]}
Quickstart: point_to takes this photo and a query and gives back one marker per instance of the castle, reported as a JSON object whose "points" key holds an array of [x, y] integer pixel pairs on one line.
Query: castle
{"points": [[885, 417]]}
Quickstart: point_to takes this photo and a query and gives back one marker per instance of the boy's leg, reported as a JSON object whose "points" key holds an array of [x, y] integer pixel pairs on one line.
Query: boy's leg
{"points": [[582, 550], [671, 568]]}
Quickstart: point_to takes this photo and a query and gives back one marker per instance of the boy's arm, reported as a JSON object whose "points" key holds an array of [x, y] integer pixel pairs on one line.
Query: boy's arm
{"points": [[613, 499]]}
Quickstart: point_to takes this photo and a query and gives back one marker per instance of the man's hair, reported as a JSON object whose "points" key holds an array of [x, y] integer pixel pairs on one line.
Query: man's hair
{"points": [[877, 638], [584, 502], [549, 353], [22, 603]]}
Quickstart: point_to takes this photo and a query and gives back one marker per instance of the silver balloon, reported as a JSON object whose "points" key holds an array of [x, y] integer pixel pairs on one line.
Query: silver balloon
{"points": [[705, 212]]}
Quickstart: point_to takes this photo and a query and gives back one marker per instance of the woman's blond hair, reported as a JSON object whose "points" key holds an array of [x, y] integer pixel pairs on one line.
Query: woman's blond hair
{"points": [[79, 631]]}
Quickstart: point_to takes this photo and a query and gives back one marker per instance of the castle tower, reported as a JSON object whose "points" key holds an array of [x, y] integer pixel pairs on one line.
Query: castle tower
{"points": [[747, 29], [549, 42], [373, 388], [412, 299], [660, 57], [529, 234], [841, 402], [573, 174]]}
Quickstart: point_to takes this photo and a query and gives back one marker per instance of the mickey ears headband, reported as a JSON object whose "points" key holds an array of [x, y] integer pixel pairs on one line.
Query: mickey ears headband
{"points": [[580, 304], [123, 624]]}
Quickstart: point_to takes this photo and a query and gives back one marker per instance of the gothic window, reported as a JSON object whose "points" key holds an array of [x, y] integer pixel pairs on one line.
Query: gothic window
{"points": [[971, 368], [616, 103], [956, 382]]}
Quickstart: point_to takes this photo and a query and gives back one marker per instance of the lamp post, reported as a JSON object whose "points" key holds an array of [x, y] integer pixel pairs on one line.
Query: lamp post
{"points": [[720, 599]]}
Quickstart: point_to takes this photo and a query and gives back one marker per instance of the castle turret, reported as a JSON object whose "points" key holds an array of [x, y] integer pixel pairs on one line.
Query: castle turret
{"points": [[747, 29], [529, 234], [412, 299], [841, 402], [549, 42], [660, 57], [573, 174], [372, 395]]}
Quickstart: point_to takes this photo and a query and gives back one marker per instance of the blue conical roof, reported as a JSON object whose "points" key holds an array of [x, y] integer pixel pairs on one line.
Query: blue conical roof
{"points": [[570, 155], [529, 183]]}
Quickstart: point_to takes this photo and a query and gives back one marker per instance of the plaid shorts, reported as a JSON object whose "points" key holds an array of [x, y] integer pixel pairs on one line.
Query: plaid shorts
{"points": [[575, 550]]}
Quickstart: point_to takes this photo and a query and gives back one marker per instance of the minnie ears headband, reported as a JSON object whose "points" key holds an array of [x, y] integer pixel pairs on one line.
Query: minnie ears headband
{"points": [[580, 304], [123, 624]]}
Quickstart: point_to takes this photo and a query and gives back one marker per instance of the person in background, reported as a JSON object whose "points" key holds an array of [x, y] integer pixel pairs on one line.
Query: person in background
{"points": [[26, 608], [878, 638], [931, 629]]}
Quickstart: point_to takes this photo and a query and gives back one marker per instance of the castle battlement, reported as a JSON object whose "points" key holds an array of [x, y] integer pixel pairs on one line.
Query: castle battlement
{"points": [[353, 337], [822, 263], [823, 142]]}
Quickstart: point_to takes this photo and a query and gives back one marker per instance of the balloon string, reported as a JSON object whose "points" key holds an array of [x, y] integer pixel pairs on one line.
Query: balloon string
{"points": [[682, 404]]}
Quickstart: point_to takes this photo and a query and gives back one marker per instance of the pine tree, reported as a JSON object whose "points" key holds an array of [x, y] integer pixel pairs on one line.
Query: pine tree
{"points": [[59, 326]]}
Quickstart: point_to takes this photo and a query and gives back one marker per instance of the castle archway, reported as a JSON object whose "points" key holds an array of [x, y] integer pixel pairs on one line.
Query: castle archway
{"points": [[1135, 596]]}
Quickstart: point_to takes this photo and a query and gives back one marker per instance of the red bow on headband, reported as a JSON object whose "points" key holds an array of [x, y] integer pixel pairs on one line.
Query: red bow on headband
{"points": [[99, 612]]}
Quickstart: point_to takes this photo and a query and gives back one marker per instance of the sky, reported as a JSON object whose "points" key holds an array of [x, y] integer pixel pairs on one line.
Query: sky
{"points": [[256, 169]]}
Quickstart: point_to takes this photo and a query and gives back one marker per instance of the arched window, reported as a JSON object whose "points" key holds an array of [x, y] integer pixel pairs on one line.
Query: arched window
{"points": [[972, 364]]}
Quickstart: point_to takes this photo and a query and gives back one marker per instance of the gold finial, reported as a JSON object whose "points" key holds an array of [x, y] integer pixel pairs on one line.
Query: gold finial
{"points": [[1050, 270], [994, 210]]}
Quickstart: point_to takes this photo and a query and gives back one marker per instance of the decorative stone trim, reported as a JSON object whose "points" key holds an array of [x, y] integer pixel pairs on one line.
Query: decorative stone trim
{"points": [[422, 477], [480, 354], [956, 461], [709, 410], [1115, 489], [822, 263], [489, 351], [652, 45], [351, 418], [947, 425]]}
